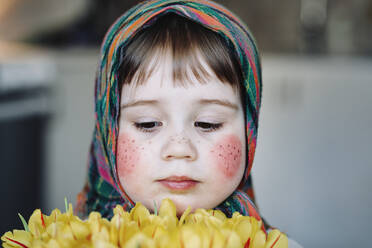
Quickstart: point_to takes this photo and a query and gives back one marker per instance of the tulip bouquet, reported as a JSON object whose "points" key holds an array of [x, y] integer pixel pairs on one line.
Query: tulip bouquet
{"points": [[141, 229]]}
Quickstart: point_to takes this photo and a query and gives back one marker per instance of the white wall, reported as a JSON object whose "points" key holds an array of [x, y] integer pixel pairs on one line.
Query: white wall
{"points": [[71, 128], [312, 164]]}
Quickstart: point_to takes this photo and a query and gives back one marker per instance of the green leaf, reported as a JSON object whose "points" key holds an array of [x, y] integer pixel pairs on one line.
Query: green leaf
{"points": [[25, 226], [66, 204], [155, 208]]}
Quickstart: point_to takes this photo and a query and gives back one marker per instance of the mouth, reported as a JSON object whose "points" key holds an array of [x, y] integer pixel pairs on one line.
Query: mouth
{"points": [[178, 183]]}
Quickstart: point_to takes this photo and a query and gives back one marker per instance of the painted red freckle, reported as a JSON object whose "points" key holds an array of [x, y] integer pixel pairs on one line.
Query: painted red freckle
{"points": [[229, 156], [127, 155]]}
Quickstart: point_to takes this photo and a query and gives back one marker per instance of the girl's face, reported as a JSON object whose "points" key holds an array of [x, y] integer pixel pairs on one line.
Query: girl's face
{"points": [[183, 143]]}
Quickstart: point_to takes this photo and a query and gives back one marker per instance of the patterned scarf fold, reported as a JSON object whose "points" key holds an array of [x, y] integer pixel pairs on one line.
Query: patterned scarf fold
{"points": [[103, 190]]}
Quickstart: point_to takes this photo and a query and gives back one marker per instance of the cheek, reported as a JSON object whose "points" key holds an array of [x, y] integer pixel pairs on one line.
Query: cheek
{"points": [[128, 154], [227, 155]]}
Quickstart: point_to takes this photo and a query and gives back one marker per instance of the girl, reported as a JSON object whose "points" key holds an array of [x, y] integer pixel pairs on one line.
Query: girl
{"points": [[177, 97]]}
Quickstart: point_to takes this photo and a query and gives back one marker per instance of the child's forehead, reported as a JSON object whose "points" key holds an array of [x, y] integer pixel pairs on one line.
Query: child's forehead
{"points": [[160, 81], [161, 89]]}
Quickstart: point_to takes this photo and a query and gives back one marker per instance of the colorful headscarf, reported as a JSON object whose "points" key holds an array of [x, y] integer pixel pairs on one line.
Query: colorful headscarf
{"points": [[103, 191]]}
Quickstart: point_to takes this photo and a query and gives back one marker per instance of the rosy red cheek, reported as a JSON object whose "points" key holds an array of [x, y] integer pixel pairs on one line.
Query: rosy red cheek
{"points": [[227, 155], [127, 155]]}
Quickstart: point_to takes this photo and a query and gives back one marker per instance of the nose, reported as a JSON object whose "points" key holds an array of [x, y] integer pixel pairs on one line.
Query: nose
{"points": [[179, 147]]}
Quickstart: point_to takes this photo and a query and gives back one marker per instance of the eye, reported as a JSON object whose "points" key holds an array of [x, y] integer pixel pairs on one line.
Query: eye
{"points": [[147, 126], [208, 127]]}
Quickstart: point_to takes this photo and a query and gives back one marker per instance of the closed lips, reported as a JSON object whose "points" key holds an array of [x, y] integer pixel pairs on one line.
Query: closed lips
{"points": [[178, 183]]}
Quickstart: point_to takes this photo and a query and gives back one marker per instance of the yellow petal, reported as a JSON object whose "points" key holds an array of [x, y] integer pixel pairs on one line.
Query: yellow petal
{"points": [[233, 240], [94, 221], [213, 222], [167, 208], [53, 229], [217, 240], [259, 240], [18, 238], [102, 235], [139, 214], [256, 226], [119, 211], [184, 215], [6, 236], [80, 229], [36, 223], [169, 222], [189, 238], [236, 215], [140, 240], [127, 231], [218, 214], [103, 244], [53, 244], [244, 230], [70, 210], [160, 231], [164, 238], [37, 243], [116, 222], [276, 239], [53, 217], [194, 218], [203, 212], [6, 245], [65, 236]]}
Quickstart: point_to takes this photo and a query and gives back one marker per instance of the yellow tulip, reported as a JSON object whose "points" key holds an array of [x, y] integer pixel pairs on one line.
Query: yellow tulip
{"points": [[16, 239], [140, 228]]}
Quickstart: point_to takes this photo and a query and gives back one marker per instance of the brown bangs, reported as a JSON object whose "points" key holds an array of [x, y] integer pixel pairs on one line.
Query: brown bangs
{"points": [[187, 42]]}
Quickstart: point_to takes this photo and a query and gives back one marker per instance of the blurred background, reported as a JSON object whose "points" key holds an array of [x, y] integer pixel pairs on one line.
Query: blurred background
{"points": [[312, 171]]}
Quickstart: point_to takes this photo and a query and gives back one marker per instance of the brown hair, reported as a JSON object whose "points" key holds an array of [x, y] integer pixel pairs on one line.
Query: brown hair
{"points": [[186, 41]]}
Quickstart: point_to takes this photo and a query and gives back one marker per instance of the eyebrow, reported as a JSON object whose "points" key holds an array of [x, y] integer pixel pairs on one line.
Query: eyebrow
{"points": [[225, 103]]}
